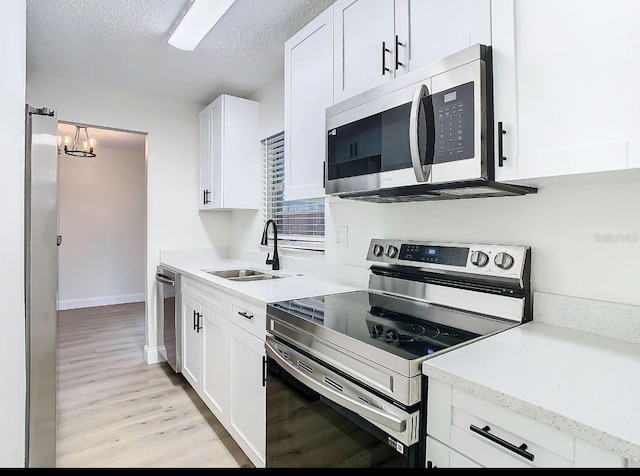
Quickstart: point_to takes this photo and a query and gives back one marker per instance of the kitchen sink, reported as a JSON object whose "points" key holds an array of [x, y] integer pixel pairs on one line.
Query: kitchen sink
{"points": [[243, 274], [255, 277]]}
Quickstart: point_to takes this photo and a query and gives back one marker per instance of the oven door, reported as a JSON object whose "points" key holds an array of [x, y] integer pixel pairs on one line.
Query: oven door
{"points": [[318, 418]]}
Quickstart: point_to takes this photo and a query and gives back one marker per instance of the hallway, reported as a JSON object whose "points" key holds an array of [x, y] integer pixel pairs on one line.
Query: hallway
{"points": [[114, 410]]}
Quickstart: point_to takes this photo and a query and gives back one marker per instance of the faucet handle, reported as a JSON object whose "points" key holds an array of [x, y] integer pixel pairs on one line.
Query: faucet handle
{"points": [[268, 261]]}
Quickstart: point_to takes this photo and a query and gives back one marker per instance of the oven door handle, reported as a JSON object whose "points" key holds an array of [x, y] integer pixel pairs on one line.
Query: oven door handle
{"points": [[372, 413]]}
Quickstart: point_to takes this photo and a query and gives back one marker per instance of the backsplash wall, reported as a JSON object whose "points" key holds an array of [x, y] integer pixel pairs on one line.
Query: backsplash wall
{"points": [[585, 239]]}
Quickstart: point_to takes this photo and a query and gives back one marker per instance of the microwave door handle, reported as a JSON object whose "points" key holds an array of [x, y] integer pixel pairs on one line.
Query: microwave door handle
{"points": [[422, 172]]}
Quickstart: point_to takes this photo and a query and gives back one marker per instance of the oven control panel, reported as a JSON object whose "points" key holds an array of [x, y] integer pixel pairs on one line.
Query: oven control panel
{"points": [[483, 259]]}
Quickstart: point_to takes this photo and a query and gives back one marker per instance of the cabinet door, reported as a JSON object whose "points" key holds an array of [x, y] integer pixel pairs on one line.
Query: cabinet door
{"points": [[457, 460], [247, 393], [205, 159], [504, 89], [437, 454], [308, 86], [429, 30], [361, 27], [191, 342], [574, 86], [240, 160], [217, 111], [214, 362]]}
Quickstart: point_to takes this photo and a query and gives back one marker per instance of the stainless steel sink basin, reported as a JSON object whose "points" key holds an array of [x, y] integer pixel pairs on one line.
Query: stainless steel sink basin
{"points": [[242, 274], [259, 277], [236, 273]]}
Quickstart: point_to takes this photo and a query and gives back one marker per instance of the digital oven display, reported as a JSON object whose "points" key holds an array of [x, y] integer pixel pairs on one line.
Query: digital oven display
{"points": [[448, 255]]}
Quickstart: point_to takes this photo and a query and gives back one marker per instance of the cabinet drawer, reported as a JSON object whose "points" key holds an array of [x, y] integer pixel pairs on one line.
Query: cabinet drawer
{"points": [[494, 436], [250, 317], [207, 295], [549, 446], [493, 446]]}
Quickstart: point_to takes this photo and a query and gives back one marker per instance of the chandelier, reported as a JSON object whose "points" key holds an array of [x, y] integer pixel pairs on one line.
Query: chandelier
{"points": [[81, 145]]}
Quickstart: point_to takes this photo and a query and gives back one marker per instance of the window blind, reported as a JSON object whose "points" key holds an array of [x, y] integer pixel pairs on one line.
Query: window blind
{"points": [[300, 222]]}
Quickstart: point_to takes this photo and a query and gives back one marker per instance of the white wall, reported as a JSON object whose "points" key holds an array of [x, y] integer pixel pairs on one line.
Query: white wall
{"points": [[247, 224], [12, 328], [567, 227], [102, 220], [173, 221]]}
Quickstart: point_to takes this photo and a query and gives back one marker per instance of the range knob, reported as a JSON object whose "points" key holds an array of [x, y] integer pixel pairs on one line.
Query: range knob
{"points": [[377, 250], [503, 260], [392, 251], [479, 258], [391, 336]]}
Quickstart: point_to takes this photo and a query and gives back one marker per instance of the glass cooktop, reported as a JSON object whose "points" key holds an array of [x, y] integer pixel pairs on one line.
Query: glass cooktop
{"points": [[392, 324]]}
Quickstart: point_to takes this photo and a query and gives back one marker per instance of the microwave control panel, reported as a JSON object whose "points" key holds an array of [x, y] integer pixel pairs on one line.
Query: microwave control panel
{"points": [[453, 112]]}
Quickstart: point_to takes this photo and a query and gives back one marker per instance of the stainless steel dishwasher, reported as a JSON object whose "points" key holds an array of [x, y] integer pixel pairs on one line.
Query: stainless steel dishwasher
{"points": [[169, 317]]}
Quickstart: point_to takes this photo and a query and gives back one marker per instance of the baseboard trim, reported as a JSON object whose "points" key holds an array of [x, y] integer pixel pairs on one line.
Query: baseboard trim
{"points": [[99, 301], [153, 356]]}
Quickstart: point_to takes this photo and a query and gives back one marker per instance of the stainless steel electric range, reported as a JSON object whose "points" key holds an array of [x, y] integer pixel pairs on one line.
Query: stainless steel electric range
{"points": [[344, 382]]}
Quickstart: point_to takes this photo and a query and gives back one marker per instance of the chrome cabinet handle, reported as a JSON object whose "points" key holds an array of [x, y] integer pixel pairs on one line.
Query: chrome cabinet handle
{"points": [[519, 450], [245, 314], [422, 172]]}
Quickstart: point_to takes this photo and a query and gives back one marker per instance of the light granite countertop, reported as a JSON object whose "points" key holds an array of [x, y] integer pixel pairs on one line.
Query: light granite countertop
{"points": [[582, 383], [292, 284]]}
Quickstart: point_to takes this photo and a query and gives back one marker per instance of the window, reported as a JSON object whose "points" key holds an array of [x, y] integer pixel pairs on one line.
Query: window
{"points": [[300, 223]]}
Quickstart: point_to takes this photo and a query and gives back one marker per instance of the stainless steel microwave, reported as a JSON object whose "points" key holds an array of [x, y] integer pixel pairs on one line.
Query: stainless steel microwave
{"points": [[425, 135]]}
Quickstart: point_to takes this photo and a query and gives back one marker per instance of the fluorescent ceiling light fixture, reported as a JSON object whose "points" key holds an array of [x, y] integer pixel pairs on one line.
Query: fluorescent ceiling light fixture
{"points": [[201, 16]]}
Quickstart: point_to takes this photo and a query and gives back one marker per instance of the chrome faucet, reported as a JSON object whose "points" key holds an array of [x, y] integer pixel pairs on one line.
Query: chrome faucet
{"points": [[275, 262]]}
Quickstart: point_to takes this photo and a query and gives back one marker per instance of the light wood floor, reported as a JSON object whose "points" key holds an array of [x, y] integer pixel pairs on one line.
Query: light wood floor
{"points": [[114, 410]]}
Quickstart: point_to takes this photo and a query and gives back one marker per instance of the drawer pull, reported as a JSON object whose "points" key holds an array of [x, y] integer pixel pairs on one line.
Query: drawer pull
{"points": [[245, 314], [519, 450]]}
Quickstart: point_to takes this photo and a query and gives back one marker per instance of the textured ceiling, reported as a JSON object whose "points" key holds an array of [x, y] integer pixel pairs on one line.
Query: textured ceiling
{"points": [[123, 43]]}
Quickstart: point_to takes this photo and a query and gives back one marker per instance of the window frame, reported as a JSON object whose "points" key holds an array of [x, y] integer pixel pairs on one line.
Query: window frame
{"points": [[273, 174]]}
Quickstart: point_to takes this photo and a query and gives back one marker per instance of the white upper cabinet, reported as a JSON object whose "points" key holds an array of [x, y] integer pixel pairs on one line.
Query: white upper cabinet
{"points": [[563, 86], [362, 29], [433, 29], [229, 154], [308, 85], [376, 40]]}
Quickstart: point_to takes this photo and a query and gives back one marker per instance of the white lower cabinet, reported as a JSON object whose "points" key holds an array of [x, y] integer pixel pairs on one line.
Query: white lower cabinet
{"points": [[215, 334], [224, 358], [191, 342], [441, 456], [464, 430], [247, 393]]}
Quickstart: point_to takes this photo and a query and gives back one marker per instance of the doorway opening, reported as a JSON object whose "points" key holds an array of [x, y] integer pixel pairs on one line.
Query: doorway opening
{"points": [[102, 215]]}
